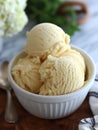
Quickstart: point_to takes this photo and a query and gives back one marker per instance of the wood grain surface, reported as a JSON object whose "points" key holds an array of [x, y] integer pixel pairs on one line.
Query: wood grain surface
{"points": [[29, 122]]}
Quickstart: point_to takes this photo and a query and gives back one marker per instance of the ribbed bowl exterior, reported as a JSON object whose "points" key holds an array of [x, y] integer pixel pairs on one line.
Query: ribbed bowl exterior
{"points": [[51, 110]]}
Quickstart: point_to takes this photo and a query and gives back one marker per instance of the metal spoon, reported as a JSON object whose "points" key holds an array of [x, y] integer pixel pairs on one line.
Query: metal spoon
{"points": [[10, 111]]}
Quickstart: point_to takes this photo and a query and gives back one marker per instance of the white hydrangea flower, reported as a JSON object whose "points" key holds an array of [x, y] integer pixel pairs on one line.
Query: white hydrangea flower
{"points": [[12, 17], [23, 3]]}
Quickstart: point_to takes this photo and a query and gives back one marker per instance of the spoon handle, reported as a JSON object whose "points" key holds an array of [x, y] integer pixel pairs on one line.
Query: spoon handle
{"points": [[10, 111]]}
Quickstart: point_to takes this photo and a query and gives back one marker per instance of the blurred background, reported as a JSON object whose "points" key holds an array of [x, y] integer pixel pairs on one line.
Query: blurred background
{"points": [[78, 18]]}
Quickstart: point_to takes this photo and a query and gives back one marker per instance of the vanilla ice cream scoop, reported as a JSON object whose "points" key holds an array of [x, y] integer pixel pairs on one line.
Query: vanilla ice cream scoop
{"points": [[26, 73], [51, 66], [61, 75], [43, 37]]}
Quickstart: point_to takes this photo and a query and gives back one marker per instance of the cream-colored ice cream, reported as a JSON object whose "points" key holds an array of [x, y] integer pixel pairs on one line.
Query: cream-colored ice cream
{"points": [[62, 75], [45, 39], [26, 73], [51, 67]]}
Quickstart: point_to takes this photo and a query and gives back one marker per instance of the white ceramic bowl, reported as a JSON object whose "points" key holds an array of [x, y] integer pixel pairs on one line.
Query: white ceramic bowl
{"points": [[52, 107]]}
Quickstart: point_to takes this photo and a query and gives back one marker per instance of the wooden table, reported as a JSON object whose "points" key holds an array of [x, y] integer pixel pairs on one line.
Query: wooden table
{"points": [[29, 122]]}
